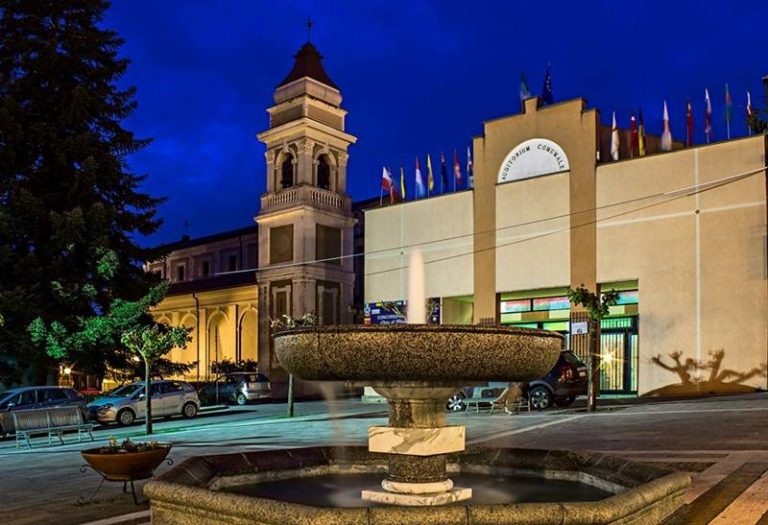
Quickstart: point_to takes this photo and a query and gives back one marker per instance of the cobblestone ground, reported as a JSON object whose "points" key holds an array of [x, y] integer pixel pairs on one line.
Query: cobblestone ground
{"points": [[720, 441]]}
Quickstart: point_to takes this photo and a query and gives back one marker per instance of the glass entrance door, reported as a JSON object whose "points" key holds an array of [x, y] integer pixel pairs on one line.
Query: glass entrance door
{"points": [[619, 356]]}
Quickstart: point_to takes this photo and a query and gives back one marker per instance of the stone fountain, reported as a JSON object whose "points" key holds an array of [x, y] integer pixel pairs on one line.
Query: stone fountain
{"points": [[416, 368]]}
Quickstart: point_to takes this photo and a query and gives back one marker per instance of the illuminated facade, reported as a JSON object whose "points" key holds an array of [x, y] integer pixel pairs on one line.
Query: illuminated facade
{"points": [[226, 288], [546, 213], [678, 233]]}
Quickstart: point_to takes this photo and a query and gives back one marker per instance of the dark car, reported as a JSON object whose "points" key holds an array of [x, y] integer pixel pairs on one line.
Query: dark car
{"points": [[561, 385], [235, 388], [566, 380], [31, 397]]}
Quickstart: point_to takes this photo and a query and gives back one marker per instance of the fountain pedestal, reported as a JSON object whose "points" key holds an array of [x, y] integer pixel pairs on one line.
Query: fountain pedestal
{"points": [[417, 441]]}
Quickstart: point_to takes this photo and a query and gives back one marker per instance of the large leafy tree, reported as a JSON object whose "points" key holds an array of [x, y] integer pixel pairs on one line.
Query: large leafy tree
{"points": [[67, 194]]}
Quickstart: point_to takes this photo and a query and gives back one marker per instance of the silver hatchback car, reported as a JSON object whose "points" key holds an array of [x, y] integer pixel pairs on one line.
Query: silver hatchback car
{"points": [[125, 405]]}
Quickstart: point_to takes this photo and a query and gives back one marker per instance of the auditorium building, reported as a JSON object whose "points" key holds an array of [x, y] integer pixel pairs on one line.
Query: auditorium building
{"points": [[681, 234]]}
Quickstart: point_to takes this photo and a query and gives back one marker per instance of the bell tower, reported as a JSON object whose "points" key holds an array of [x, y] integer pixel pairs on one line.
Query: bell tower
{"points": [[305, 221]]}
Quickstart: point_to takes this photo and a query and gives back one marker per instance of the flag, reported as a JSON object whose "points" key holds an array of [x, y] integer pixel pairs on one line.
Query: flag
{"points": [[640, 134], [614, 139], [387, 185], [546, 92], [689, 125], [633, 138], [749, 113], [443, 173], [456, 171], [707, 116], [728, 110], [420, 190], [430, 178], [402, 183], [470, 170], [386, 179], [666, 135], [525, 91]]}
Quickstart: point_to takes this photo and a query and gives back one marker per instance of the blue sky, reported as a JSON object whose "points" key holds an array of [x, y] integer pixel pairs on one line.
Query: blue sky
{"points": [[417, 77]]}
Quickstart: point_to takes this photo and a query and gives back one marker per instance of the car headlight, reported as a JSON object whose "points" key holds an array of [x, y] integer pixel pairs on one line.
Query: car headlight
{"points": [[105, 408]]}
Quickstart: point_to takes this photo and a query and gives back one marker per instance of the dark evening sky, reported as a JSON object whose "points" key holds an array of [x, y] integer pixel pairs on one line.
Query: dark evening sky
{"points": [[417, 77]]}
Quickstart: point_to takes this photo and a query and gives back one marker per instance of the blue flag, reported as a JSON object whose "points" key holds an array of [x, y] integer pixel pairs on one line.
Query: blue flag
{"points": [[546, 92], [421, 190]]}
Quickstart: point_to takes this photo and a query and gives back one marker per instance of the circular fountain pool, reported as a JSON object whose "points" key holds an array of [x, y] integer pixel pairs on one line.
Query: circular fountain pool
{"points": [[315, 486], [343, 490]]}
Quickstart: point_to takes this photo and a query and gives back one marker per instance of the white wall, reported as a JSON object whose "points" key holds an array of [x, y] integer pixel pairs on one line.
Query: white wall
{"points": [[440, 226]]}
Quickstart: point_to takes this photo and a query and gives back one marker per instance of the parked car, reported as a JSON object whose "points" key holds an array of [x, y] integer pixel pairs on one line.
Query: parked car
{"points": [[236, 388], [561, 385], [31, 397], [566, 380], [125, 404]]}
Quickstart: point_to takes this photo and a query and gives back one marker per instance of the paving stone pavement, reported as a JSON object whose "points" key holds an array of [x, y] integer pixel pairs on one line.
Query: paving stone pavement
{"points": [[719, 441]]}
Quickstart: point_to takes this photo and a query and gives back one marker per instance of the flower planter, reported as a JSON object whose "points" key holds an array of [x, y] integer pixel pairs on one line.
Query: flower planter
{"points": [[126, 466]]}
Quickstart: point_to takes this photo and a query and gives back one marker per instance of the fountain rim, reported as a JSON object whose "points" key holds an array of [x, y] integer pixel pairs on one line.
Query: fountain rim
{"points": [[418, 328]]}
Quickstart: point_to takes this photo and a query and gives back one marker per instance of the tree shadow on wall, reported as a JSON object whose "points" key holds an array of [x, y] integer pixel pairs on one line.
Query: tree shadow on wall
{"points": [[699, 378]]}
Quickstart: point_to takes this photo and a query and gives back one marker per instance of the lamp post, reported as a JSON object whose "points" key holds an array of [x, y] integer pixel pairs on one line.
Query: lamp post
{"points": [[68, 373]]}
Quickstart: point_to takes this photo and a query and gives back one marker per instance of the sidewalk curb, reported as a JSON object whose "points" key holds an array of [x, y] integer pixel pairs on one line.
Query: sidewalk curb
{"points": [[134, 518]]}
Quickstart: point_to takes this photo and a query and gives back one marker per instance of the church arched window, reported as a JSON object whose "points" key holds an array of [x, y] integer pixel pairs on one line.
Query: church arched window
{"points": [[323, 173], [286, 172]]}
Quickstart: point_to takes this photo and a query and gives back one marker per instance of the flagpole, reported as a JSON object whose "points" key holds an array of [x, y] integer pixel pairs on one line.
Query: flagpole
{"points": [[381, 198], [454, 170]]}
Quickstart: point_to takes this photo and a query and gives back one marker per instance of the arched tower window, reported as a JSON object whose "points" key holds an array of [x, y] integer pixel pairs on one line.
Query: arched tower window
{"points": [[323, 173], [286, 172]]}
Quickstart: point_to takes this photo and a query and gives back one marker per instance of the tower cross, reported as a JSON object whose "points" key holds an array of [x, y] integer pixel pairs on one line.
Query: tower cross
{"points": [[309, 29]]}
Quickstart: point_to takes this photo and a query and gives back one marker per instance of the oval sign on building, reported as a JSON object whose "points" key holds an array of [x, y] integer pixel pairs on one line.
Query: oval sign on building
{"points": [[532, 158]]}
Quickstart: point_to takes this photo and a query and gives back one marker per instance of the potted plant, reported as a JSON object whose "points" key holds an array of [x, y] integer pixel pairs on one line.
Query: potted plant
{"points": [[126, 461]]}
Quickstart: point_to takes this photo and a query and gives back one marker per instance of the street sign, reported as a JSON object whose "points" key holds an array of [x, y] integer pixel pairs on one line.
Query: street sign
{"points": [[579, 328]]}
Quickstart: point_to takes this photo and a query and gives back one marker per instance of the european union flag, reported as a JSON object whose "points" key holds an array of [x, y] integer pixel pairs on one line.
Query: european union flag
{"points": [[546, 92]]}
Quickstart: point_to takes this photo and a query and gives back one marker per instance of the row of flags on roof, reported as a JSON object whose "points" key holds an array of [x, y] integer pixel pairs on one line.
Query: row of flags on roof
{"points": [[637, 131], [424, 184]]}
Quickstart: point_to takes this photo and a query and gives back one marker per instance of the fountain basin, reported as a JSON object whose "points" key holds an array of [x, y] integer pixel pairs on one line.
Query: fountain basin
{"points": [[202, 489], [441, 354], [416, 367]]}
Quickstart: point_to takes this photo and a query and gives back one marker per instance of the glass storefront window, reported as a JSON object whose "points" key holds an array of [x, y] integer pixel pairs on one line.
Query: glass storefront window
{"points": [[551, 303], [628, 297], [519, 305]]}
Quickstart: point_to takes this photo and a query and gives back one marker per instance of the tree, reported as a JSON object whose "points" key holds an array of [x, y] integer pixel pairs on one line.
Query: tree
{"points": [[226, 366], [97, 338], [161, 368], [151, 343], [597, 307], [67, 194]]}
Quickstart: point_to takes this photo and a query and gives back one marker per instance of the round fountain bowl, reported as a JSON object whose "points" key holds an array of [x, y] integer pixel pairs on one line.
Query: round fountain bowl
{"points": [[414, 353]]}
